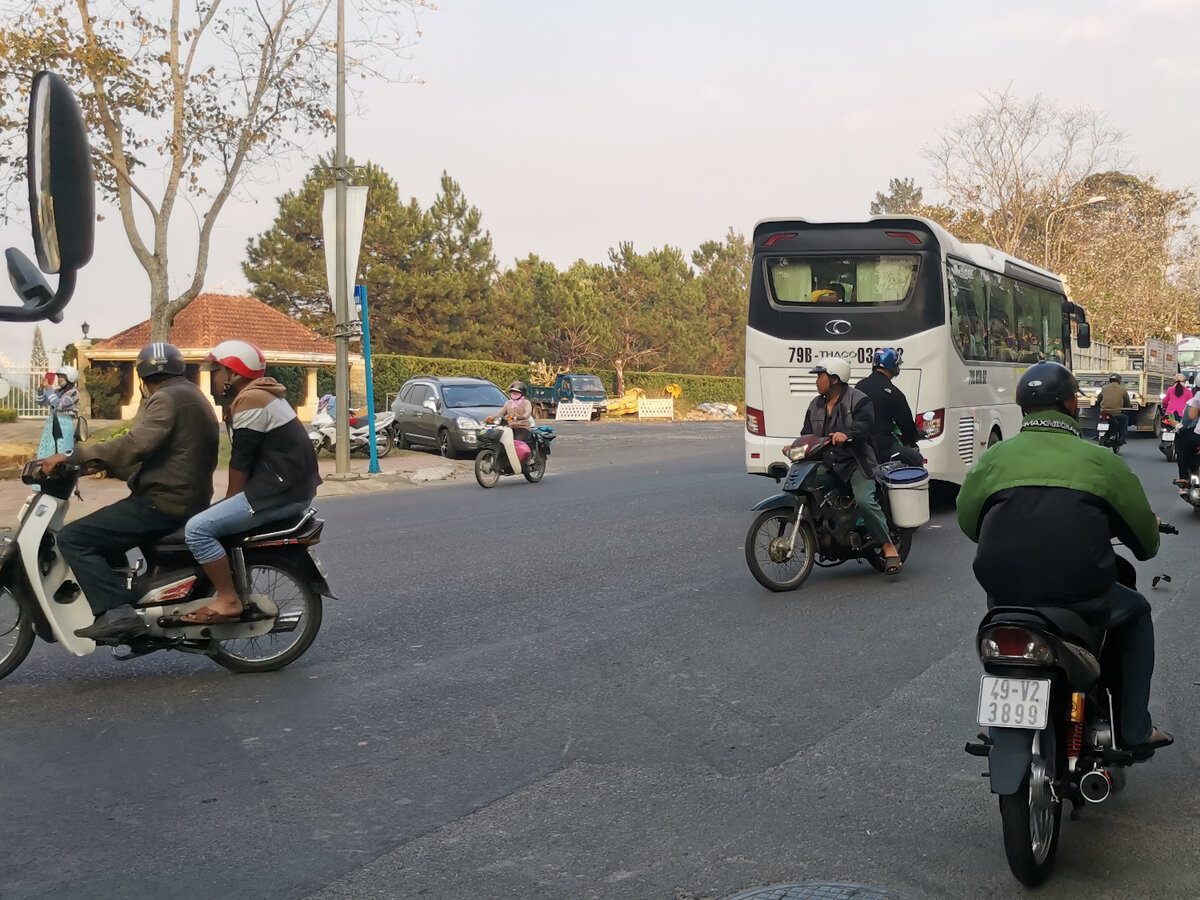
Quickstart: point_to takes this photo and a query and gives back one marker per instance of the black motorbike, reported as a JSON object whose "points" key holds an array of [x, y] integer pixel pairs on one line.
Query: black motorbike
{"points": [[808, 524], [1107, 433], [1050, 699], [491, 462], [1166, 440]]}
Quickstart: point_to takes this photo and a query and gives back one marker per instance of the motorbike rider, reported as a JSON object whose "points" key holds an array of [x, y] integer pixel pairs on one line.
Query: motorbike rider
{"points": [[519, 412], [892, 412], [844, 414], [1114, 400], [1176, 399], [272, 472], [1043, 506], [168, 457], [1187, 439]]}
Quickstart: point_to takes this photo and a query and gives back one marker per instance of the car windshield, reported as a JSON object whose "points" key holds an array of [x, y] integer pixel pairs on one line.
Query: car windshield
{"points": [[586, 383], [460, 396]]}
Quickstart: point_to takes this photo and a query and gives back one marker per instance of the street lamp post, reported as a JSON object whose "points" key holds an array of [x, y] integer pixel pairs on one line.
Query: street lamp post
{"points": [[1046, 252]]}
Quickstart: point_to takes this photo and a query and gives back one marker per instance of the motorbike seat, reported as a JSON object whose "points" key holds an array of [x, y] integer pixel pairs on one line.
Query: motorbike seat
{"points": [[174, 542]]}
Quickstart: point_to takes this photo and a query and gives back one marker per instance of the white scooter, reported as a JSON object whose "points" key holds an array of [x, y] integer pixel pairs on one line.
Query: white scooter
{"points": [[275, 563], [323, 433]]}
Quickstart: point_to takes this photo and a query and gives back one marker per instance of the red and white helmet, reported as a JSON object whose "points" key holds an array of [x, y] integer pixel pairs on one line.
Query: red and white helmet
{"points": [[240, 356]]}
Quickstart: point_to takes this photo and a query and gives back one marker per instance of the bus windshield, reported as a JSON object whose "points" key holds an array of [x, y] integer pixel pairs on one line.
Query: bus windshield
{"points": [[873, 279]]}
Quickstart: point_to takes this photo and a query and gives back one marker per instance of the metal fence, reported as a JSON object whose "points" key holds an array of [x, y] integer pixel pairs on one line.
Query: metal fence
{"points": [[23, 384]]}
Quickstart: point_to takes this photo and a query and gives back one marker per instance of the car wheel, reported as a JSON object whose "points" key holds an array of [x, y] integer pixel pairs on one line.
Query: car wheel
{"points": [[443, 444]]}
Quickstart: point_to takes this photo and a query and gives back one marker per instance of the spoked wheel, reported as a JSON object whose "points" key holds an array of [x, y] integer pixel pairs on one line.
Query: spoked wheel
{"points": [[902, 538], [772, 564], [487, 468], [1031, 817], [296, 624], [16, 631], [536, 469]]}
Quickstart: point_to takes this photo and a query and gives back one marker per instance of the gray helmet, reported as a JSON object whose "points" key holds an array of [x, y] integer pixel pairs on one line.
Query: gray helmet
{"points": [[1046, 384], [160, 359], [518, 386]]}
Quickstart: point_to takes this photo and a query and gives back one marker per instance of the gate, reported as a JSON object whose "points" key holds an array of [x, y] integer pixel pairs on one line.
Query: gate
{"points": [[22, 385]]}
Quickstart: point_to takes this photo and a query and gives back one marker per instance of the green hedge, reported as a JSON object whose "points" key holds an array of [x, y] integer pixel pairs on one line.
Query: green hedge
{"points": [[7, 414], [390, 371]]}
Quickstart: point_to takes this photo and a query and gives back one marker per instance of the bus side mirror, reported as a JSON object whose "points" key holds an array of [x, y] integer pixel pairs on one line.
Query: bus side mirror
{"points": [[62, 203], [1083, 335]]}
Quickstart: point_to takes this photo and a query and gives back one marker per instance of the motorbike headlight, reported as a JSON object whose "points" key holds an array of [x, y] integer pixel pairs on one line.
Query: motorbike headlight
{"points": [[466, 423]]}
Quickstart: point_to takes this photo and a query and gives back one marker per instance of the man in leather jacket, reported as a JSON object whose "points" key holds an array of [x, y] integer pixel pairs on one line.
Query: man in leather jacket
{"points": [[1043, 507], [845, 415], [168, 457], [1114, 400]]}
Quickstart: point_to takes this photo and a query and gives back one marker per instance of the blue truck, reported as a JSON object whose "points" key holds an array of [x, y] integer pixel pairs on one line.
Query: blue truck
{"points": [[569, 387]]}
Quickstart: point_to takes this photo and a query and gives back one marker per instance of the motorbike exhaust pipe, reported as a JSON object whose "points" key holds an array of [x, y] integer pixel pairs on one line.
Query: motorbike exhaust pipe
{"points": [[1096, 786]]}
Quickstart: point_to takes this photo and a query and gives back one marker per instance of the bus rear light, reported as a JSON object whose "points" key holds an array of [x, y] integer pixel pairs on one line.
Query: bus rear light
{"points": [[906, 235], [933, 423], [755, 424], [778, 237]]}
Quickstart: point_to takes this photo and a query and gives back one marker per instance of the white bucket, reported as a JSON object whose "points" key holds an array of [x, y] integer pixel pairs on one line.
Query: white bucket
{"points": [[908, 496]]}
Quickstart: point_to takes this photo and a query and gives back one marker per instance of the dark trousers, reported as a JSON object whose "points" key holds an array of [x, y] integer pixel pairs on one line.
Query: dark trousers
{"points": [[1185, 451], [93, 544], [1126, 615]]}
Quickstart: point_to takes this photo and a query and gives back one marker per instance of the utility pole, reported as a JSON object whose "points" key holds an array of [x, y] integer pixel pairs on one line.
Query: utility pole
{"points": [[340, 300]]}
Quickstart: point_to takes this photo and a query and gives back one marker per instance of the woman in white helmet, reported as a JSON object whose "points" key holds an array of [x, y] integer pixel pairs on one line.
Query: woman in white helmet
{"points": [[63, 399], [272, 473]]}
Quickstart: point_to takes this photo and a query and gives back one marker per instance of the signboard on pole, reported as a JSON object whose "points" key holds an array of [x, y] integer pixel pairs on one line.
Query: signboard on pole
{"points": [[356, 211]]}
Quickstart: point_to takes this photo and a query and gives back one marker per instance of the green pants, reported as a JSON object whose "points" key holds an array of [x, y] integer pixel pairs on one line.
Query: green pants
{"points": [[864, 499]]}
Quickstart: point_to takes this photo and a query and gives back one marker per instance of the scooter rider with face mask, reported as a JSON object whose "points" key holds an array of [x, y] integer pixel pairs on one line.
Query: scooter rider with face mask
{"points": [[168, 457], [272, 473], [845, 415], [519, 412]]}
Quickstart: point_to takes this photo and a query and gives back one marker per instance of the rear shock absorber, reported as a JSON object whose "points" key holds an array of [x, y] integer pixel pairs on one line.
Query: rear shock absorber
{"points": [[1075, 731]]}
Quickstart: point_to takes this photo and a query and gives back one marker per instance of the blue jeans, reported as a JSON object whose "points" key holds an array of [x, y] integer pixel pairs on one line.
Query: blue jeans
{"points": [[230, 516]]}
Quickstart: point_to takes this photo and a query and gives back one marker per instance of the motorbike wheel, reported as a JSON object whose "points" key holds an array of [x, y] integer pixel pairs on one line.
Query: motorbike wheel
{"points": [[296, 624], [1031, 817], [1170, 453], [902, 538], [16, 631], [487, 468], [774, 567], [383, 443], [536, 469]]}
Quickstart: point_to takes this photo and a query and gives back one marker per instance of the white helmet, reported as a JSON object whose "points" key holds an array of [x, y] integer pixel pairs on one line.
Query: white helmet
{"points": [[68, 372], [833, 365], [240, 356]]}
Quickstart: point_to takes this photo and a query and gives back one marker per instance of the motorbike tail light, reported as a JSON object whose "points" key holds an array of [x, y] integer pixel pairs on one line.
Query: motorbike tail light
{"points": [[932, 423], [755, 423], [1012, 644]]}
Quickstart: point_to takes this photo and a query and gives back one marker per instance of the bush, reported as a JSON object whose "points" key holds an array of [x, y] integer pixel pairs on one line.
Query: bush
{"points": [[7, 414], [294, 380], [104, 387]]}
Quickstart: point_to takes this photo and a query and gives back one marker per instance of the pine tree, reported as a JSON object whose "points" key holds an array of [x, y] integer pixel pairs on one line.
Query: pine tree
{"points": [[39, 362]]}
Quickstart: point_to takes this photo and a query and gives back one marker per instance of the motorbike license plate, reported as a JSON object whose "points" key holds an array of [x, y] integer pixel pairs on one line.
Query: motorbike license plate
{"points": [[1014, 702], [1168, 436], [1102, 427]]}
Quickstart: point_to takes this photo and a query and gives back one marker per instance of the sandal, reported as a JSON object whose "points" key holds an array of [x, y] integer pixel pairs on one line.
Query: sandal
{"points": [[1158, 739], [203, 616], [892, 564]]}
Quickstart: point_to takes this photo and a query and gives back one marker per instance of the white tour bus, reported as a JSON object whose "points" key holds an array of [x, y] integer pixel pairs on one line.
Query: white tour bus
{"points": [[966, 319]]}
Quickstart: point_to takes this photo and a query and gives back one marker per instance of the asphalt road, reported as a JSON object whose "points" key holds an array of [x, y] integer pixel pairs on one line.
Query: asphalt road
{"points": [[576, 689]]}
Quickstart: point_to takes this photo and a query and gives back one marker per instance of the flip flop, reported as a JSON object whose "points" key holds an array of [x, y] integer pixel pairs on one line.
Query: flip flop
{"points": [[1158, 740], [208, 618], [894, 566]]}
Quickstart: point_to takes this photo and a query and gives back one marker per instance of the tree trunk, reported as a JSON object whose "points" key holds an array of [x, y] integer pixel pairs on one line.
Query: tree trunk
{"points": [[160, 309], [619, 366]]}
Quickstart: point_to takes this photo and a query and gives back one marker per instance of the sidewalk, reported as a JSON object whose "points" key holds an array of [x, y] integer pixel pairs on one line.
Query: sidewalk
{"points": [[397, 469]]}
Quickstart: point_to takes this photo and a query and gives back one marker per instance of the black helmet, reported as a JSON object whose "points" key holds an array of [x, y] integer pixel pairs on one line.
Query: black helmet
{"points": [[1114, 377], [160, 359], [1046, 384]]}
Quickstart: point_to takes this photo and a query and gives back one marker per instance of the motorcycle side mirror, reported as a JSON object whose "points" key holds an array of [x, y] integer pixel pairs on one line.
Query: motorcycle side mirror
{"points": [[62, 203]]}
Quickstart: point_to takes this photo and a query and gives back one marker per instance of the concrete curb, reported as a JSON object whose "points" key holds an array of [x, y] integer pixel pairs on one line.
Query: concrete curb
{"points": [[384, 481]]}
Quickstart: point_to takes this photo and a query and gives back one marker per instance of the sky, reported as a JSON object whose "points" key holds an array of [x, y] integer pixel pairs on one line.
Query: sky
{"points": [[574, 126]]}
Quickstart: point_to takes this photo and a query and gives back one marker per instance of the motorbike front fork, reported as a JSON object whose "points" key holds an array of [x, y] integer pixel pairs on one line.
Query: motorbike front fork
{"points": [[797, 517]]}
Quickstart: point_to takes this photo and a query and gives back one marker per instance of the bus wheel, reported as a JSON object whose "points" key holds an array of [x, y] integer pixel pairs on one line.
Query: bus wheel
{"points": [[994, 438]]}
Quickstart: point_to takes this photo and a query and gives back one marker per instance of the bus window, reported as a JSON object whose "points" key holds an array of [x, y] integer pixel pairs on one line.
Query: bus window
{"points": [[1030, 333], [1001, 319], [966, 310], [868, 280]]}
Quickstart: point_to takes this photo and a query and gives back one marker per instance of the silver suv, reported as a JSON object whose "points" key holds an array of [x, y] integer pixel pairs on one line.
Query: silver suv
{"points": [[445, 412]]}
